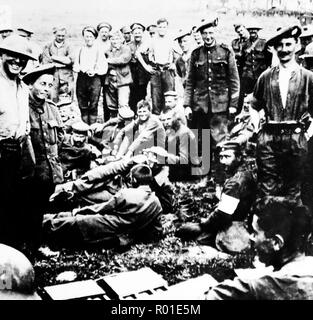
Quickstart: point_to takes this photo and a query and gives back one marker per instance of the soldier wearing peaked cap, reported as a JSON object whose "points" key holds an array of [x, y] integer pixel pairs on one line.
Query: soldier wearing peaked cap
{"points": [[17, 159], [285, 92], [256, 58], [127, 33], [60, 52], [184, 40], [212, 85]]}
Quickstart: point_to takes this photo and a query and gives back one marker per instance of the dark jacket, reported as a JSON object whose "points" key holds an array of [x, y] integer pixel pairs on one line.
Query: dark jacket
{"points": [[256, 59], [46, 133], [212, 79], [120, 59], [299, 99]]}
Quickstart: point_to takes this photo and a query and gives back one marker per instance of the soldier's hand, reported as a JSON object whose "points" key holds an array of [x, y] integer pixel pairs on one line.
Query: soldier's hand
{"points": [[188, 113], [150, 69]]}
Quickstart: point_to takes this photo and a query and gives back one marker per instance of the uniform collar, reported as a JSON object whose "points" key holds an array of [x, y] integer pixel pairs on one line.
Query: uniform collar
{"points": [[36, 105]]}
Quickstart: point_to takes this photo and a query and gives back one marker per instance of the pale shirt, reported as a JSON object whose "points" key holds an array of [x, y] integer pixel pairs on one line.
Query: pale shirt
{"points": [[91, 59], [161, 50], [14, 109], [104, 45], [284, 77]]}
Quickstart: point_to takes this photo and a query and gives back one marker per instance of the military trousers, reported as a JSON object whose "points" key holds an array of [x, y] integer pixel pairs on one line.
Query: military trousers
{"points": [[281, 158], [88, 91]]}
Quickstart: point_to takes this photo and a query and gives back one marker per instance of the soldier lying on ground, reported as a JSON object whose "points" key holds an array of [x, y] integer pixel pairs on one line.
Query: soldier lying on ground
{"points": [[100, 184], [131, 214], [280, 233], [234, 204]]}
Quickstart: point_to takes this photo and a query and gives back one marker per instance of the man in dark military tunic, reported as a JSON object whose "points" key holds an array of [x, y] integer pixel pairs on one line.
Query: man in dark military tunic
{"points": [[46, 134], [256, 59]]}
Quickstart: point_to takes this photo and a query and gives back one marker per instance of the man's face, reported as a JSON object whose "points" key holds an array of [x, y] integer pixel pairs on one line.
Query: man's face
{"points": [[42, 87], [170, 102], [228, 159], [60, 36], [167, 120], [242, 32], [137, 34], [184, 43], [286, 49], [208, 35], [104, 33], [64, 113], [263, 245], [162, 29], [116, 41], [152, 32], [79, 139], [89, 38], [143, 114], [127, 35], [13, 64], [253, 33], [198, 38]]}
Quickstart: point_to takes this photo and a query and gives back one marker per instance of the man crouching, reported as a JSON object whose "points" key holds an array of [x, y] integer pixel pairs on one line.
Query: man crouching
{"points": [[132, 214]]}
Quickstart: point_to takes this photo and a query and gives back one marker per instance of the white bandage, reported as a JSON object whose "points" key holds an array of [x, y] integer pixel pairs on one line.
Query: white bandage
{"points": [[228, 204]]}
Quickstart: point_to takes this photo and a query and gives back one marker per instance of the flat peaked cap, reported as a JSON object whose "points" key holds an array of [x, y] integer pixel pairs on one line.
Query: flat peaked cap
{"points": [[126, 29], [206, 23], [182, 33], [34, 74], [80, 127], [307, 31], [170, 94], [151, 26], [126, 113], [289, 32], [91, 30], [137, 25], [228, 145], [25, 30], [17, 45], [104, 25]]}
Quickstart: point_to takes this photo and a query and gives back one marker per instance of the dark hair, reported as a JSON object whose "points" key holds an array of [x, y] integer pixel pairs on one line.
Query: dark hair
{"points": [[279, 215], [162, 20], [142, 173], [144, 104]]}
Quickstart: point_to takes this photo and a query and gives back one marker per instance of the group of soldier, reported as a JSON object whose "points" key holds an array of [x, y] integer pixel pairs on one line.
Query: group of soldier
{"points": [[71, 176]]}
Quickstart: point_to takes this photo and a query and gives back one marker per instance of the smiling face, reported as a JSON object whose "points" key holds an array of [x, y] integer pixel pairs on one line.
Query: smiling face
{"points": [[60, 36], [104, 33], [137, 34], [13, 64], [208, 35], [184, 43], [116, 41], [143, 114], [286, 49], [42, 87], [89, 38], [162, 29]]}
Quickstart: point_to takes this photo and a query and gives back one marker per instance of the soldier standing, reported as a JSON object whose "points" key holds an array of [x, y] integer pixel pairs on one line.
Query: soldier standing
{"points": [[212, 85], [285, 93]]}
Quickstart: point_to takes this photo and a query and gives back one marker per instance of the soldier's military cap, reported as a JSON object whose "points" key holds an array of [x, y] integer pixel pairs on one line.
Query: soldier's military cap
{"points": [[182, 33], [80, 127], [207, 23], [151, 26], [126, 113], [307, 31], [102, 25], [4, 29], [137, 25], [170, 94], [25, 31], [126, 29], [228, 145], [289, 32], [91, 30], [35, 73], [237, 25], [17, 45]]}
